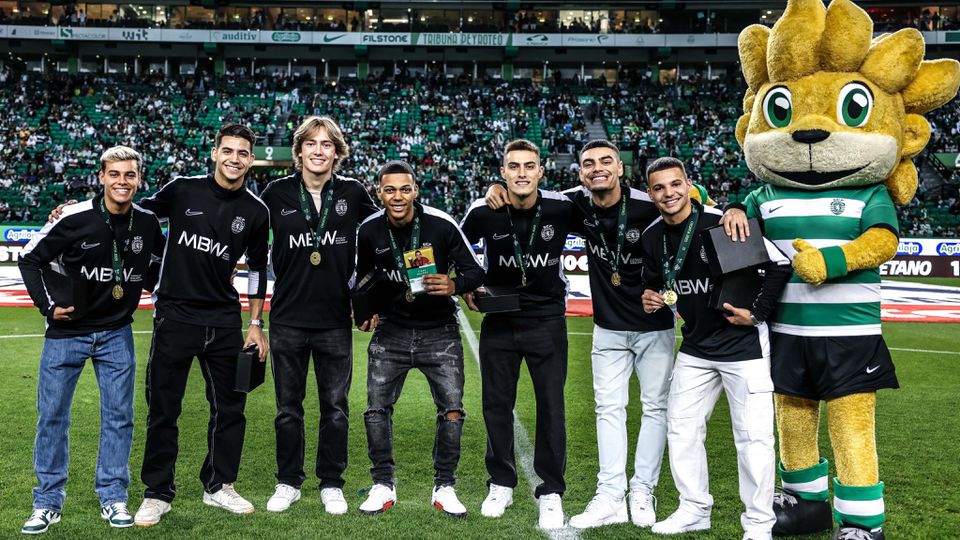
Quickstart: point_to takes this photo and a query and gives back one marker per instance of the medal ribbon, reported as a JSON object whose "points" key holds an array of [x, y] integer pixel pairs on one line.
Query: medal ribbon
{"points": [[670, 271], [517, 249], [115, 256], [621, 231], [307, 210], [398, 254]]}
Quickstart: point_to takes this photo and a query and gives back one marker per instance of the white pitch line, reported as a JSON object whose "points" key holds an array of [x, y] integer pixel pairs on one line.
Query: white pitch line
{"points": [[472, 334], [524, 449]]}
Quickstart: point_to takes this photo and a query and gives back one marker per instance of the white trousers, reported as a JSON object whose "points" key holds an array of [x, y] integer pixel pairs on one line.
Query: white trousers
{"points": [[694, 392], [616, 356]]}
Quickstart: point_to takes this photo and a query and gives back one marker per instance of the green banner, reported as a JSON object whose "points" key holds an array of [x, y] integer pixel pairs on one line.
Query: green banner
{"points": [[949, 159]]}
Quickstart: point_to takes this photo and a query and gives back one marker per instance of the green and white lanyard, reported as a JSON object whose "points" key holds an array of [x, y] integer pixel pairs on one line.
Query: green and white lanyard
{"points": [[398, 254], [321, 226], [115, 255], [615, 278], [670, 271]]}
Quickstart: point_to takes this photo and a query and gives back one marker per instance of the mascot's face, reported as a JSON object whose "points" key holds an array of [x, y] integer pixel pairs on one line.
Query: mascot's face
{"points": [[825, 130], [829, 105]]}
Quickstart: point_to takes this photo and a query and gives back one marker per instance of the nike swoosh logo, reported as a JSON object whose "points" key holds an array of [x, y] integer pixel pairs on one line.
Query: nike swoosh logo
{"points": [[287, 212], [772, 210], [194, 212], [871, 370], [328, 39], [381, 251], [500, 236], [88, 246]]}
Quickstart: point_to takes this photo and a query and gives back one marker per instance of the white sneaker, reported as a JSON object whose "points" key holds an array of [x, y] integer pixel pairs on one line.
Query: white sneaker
{"points": [[40, 520], [117, 515], [643, 509], [681, 521], [551, 511], [283, 496], [380, 499], [333, 501], [445, 499], [228, 499], [498, 500], [150, 512], [601, 510]]}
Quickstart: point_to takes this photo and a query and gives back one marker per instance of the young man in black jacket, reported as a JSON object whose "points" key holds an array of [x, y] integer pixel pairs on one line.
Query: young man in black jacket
{"points": [[85, 273], [725, 350], [315, 214], [213, 220], [416, 328], [523, 243]]}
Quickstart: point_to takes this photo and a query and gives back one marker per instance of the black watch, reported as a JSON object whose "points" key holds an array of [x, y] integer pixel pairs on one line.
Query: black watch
{"points": [[753, 318], [256, 322]]}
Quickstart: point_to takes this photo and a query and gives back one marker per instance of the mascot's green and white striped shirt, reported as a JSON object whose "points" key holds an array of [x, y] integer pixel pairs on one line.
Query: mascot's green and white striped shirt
{"points": [[825, 218]]}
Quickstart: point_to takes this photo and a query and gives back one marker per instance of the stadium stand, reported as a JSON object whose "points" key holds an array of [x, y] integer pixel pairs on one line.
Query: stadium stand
{"points": [[452, 130]]}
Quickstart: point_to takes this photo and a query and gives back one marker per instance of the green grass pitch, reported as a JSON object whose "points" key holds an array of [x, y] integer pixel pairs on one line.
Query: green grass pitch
{"points": [[916, 426]]}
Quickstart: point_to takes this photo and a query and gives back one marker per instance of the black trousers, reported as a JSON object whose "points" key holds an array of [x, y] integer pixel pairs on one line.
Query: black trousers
{"points": [[290, 350], [438, 354], [174, 346], [504, 343]]}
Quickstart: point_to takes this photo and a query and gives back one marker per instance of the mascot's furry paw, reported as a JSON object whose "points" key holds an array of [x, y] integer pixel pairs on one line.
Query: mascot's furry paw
{"points": [[808, 263]]}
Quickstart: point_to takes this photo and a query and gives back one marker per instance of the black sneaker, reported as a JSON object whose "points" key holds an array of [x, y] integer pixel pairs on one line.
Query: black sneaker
{"points": [[854, 532], [797, 516]]}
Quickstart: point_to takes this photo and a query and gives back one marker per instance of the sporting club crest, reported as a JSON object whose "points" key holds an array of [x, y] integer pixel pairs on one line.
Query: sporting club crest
{"points": [[238, 225]]}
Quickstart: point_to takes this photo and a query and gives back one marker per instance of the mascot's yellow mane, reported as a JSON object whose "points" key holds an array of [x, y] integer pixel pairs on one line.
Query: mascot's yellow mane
{"points": [[819, 76]]}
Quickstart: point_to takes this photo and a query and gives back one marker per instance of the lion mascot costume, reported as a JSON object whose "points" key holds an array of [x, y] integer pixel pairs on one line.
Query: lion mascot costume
{"points": [[832, 120]]}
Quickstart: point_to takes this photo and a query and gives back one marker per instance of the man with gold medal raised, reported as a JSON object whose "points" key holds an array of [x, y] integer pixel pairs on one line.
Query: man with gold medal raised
{"points": [[722, 350]]}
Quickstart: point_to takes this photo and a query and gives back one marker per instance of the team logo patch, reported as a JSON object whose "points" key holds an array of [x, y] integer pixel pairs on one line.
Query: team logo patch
{"points": [[703, 255], [547, 233], [341, 207], [633, 235], [137, 245], [238, 224], [837, 206]]}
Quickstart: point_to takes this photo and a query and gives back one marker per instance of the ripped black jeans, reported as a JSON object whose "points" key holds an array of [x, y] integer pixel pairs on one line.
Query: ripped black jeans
{"points": [[438, 354]]}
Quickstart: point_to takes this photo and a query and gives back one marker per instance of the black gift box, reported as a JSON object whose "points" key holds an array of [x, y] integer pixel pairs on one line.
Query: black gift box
{"points": [[369, 296], [739, 289], [726, 256], [250, 370], [497, 300]]}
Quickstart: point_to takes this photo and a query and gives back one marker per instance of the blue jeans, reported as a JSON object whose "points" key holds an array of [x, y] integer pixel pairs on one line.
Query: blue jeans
{"points": [[61, 362]]}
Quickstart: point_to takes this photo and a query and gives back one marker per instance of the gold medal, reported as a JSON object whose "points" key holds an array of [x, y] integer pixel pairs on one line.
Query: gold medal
{"points": [[410, 296], [615, 279], [670, 297], [117, 292], [315, 258]]}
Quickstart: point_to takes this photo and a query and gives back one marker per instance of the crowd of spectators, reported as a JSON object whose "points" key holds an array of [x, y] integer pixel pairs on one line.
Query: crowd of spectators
{"points": [[523, 21], [451, 130]]}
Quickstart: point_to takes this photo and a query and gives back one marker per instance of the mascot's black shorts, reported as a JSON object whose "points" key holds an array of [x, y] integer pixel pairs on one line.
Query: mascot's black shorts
{"points": [[830, 367]]}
